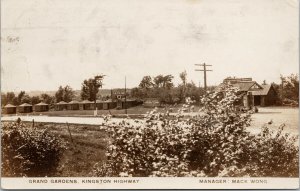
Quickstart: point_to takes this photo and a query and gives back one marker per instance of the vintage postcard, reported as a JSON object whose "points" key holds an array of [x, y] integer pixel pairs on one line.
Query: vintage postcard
{"points": [[149, 94]]}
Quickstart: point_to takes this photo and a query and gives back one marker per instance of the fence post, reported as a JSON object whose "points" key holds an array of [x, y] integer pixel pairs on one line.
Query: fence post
{"points": [[70, 132]]}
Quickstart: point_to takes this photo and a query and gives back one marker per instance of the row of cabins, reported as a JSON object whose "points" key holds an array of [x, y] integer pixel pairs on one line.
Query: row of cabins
{"points": [[73, 105], [25, 108]]}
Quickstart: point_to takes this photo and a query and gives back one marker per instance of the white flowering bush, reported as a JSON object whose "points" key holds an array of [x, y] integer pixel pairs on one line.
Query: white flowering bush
{"points": [[213, 143], [29, 151]]}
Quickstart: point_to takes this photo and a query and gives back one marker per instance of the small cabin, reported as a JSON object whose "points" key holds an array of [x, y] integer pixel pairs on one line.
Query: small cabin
{"points": [[73, 105], [99, 104], [25, 108], [10, 109], [61, 106], [122, 104], [109, 104], [41, 107], [86, 105]]}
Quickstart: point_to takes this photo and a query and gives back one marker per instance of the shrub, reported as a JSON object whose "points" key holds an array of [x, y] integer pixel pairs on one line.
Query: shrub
{"points": [[213, 143], [29, 151]]}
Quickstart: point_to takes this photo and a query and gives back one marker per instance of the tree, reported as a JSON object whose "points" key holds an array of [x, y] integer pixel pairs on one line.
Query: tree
{"points": [[162, 81], [64, 94], [90, 88], [68, 94], [59, 94], [158, 81], [290, 87], [146, 82], [25, 99], [35, 100], [183, 77], [47, 98], [9, 98], [20, 96]]}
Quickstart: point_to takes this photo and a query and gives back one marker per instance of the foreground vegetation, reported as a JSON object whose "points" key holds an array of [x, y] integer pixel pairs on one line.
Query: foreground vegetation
{"points": [[213, 144]]}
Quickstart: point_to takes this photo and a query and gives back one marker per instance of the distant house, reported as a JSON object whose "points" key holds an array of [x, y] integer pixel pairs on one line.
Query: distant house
{"points": [[252, 93], [25, 108], [121, 104], [61, 106], [86, 105], [40, 107], [151, 102], [10, 109], [73, 105]]}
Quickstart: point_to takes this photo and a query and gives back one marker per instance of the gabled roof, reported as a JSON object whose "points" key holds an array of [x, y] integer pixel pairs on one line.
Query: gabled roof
{"points": [[9, 106], [41, 103], [74, 102], [246, 86], [86, 101], [61, 103], [25, 105], [127, 100], [264, 91]]}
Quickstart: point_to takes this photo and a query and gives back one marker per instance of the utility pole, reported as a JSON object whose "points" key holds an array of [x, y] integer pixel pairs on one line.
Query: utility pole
{"points": [[204, 70], [125, 97]]}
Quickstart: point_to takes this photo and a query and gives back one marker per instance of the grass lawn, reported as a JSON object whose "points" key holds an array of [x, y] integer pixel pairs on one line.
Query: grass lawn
{"points": [[138, 110]]}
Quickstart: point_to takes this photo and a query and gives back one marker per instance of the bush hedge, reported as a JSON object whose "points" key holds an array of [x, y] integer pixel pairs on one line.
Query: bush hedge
{"points": [[28, 151], [213, 143]]}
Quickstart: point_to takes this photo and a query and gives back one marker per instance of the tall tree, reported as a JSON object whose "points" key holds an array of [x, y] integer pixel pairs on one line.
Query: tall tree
{"points": [[25, 99], [68, 94], [183, 77], [20, 96], [90, 87], [59, 95], [35, 100], [9, 98], [146, 82], [47, 98], [162, 81], [64, 94]]}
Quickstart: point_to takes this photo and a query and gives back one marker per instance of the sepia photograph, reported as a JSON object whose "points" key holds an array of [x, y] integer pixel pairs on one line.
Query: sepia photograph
{"points": [[150, 94]]}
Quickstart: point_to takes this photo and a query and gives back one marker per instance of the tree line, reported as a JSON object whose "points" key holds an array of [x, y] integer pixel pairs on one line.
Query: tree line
{"points": [[89, 91], [160, 87], [163, 88]]}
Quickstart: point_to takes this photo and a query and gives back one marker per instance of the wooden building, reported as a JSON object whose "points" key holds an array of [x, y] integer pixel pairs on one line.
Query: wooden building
{"points": [[121, 104], [10, 109], [252, 93], [99, 104], [61, 106], [86, 105], [265, 97], [73, 105], [109, 104], [25, 108], [41, 107]]}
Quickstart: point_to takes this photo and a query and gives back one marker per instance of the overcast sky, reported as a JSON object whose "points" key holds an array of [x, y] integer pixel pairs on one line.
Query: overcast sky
{"points": [[47, 43]]}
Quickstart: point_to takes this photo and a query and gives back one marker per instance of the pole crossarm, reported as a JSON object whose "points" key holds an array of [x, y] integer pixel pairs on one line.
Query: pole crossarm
{"points": [[204, 70]]}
